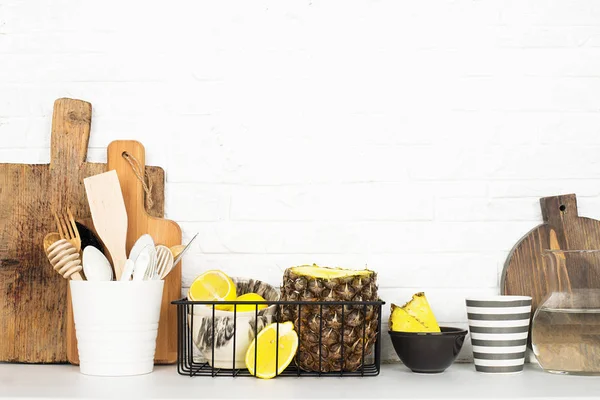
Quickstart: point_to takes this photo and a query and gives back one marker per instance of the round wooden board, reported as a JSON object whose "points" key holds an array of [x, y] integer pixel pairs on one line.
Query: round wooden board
{"points": [[528, 272]]}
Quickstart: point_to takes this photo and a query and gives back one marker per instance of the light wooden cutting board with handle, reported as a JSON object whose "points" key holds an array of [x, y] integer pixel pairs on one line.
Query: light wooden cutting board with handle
{"points": [[128, 158]]}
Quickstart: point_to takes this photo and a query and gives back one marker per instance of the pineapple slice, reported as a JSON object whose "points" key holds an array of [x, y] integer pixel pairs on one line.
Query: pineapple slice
{"points": [[414, 316], [419, 308], [314, 271], [401, 321]]}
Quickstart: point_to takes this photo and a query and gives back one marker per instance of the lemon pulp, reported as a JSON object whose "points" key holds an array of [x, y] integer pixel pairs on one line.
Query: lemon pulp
{"points": [[213, 285], [266, 350]]}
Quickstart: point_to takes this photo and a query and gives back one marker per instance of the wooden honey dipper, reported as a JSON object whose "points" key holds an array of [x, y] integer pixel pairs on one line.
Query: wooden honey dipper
{"points": [[64, 258]]}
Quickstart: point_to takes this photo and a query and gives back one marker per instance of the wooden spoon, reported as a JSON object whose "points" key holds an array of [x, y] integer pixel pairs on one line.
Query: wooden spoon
{"points": [[179, 250]]}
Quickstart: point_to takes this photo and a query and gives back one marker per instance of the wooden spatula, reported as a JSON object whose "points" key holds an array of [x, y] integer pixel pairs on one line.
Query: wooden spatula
{"points": [[109, 215]]}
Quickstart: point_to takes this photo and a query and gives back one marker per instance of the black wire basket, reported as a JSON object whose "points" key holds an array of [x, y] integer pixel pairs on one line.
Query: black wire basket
{"points": [[213, 342]]}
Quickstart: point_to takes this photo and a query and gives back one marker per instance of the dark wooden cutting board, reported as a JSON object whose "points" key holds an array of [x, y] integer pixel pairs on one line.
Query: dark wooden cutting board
{"points": [[33, 302], [528, 272]]}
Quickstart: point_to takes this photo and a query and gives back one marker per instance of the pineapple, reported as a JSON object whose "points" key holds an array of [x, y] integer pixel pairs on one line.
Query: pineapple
{"points": [[314, 283], [414, 316]]}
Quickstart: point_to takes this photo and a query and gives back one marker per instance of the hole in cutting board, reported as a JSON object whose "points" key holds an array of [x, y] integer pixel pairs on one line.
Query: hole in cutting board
{"points": [[562, 207]]}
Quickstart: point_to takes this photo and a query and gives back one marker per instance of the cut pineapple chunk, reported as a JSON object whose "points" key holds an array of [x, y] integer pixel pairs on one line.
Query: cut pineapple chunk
{"points": [[419, 308], [414, 316], [400, 321]]}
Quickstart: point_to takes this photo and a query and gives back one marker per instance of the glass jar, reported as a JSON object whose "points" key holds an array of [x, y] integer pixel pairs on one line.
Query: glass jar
{"points": [[565, 333]]}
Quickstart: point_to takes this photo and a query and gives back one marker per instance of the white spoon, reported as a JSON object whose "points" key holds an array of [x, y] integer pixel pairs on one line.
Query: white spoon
{"points": [[144, 263], [95, 265], [127, 270], [139, 245]]}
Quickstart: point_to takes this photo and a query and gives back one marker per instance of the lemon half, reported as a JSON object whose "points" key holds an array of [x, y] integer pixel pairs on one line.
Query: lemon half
{"points": [[213, 285], [265, 344]]}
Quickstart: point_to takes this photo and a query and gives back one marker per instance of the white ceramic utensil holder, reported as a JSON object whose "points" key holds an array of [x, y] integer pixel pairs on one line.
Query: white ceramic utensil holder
{"points": [[116, 325]]}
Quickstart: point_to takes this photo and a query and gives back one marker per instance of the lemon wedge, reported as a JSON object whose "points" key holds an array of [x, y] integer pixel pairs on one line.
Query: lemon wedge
{"points": [[266, 350], [213, 285], [249, 307]]}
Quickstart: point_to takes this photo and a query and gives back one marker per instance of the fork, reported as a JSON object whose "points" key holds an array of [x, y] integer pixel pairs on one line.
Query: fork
{"points": [[67, 229], [151, 271]]}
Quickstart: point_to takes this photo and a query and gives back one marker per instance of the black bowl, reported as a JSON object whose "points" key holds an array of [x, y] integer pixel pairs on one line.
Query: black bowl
{"points": [[428, 352]]}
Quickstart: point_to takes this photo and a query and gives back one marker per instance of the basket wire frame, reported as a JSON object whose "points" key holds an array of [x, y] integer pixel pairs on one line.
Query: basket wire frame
{"points": [[188, 365]]}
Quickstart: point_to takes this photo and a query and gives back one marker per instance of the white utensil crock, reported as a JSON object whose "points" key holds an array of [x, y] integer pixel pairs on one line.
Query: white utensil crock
{"points": [[116, 325]]}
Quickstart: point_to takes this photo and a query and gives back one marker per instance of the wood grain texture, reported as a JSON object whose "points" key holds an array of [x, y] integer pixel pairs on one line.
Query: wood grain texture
{"points": [[33, 303], [164, 232], [528, 272]]}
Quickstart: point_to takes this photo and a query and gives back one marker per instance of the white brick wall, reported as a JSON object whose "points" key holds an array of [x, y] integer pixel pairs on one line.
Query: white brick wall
{"points": [[413, 137]]}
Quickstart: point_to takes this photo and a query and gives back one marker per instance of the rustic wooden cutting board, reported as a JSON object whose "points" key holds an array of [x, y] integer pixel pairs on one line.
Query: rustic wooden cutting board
{"points": [[33, 302], [527, 270], [127, 157]]}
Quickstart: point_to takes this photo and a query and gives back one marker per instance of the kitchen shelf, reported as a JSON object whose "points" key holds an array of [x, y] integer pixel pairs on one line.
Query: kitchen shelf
{"points": [[460, 381]]}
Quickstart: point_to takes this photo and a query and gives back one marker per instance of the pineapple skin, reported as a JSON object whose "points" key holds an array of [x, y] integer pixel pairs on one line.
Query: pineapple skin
{"points": [[307, 320]]}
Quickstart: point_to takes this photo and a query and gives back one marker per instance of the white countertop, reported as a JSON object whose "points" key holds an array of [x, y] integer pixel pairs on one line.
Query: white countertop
{"points": [[460, 381]]}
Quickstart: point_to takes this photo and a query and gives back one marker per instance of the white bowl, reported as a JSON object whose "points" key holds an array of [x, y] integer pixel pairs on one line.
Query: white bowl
{"points": [[202, 326]]}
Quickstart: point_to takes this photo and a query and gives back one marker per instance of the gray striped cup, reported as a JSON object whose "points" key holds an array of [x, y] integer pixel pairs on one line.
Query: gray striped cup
{"points": [[499, 326]]}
